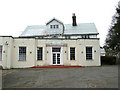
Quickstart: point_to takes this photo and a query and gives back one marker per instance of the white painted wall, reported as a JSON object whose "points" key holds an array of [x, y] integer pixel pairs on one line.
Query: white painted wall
{"points": [[30, 53], [6, 43], [11, 52], [1, 43], [54, 31]]}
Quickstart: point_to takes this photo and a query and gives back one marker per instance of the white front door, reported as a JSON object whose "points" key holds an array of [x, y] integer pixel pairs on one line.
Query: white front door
{"points": [[56, 56]]}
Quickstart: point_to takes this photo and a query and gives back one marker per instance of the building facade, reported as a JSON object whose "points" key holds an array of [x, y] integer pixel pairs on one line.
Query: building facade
{"points": [[52, 44]]}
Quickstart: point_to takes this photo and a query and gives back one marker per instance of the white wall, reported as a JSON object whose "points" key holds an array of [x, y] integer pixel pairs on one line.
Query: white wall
{"points": [[6, 43], [30, 53], [94, 43], [54, 31], [80, 47], [11, 52]]}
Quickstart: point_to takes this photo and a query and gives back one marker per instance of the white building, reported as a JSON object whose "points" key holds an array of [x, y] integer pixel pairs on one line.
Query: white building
{"points": [[52, 44]]}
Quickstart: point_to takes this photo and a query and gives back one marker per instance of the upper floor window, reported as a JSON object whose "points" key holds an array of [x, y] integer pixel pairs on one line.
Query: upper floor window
{"points": [[54, 26], [57, 26], [0, 52], [22, 53], [51, 26]]}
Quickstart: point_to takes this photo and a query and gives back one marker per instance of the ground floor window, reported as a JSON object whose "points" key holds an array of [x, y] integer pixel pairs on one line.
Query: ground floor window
{"points": [[22, 53], [0, 52], [88, 53], [72, 53], [39, 53]]}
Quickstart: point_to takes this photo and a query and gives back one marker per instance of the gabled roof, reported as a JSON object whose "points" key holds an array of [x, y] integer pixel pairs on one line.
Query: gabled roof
{"points": [[34, 30], [81, 28], [54, 19], [68, 29]]}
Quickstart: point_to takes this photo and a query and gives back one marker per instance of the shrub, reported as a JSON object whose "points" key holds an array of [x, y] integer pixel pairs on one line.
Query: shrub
{"points": [[111, 60]]}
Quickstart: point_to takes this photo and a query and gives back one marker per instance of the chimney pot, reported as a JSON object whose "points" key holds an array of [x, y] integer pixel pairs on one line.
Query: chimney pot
{"points": [[73, 14]]}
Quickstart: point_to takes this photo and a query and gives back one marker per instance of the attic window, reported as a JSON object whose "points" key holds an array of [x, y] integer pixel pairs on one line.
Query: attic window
{"points": [[51, 26], [54, 26]]}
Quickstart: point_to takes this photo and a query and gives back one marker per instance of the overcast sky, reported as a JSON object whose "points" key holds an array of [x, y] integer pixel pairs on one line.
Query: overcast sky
{"points": [[16, 15]]}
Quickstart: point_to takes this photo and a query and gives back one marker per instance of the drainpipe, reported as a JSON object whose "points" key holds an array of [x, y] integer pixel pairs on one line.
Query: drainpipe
{"points": [[63, 29]]}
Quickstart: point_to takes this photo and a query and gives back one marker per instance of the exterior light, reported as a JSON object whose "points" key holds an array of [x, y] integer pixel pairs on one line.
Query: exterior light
{"points": [[6, 43]]}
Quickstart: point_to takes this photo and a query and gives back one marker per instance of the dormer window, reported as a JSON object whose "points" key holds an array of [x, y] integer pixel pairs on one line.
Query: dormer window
{"points": [[54, 26], [51, 26]]}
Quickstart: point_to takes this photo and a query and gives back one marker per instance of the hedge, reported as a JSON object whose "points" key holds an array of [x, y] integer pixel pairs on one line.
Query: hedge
{"points": [[110, 60]]}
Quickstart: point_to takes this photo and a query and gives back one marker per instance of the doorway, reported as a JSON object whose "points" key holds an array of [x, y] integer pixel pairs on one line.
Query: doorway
{"points": [[56, 56]]}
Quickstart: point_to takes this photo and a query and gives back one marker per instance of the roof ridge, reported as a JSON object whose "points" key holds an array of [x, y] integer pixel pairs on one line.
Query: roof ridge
{"points": [[54, 19]]}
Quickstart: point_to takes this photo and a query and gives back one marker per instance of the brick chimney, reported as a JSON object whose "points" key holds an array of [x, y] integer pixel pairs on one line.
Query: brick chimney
{"points": [[74, 20]]}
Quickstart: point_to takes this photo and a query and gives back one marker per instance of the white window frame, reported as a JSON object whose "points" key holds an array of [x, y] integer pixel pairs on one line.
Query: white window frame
{"points": [[54, 26], [74, 53], [61, 55], [37, 54], [25, 53], [57, 26], [86, 52]]}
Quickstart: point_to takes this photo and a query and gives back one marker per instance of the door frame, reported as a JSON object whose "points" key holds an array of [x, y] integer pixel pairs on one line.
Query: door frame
{"points": [[61, 55]]}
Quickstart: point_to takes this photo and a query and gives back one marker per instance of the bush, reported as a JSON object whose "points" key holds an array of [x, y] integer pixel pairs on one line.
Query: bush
{"points": [[111, 60]]}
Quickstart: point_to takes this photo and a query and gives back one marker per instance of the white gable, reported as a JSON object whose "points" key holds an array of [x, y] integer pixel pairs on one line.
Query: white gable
{"points": [[54, 27], [54, 19]]}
